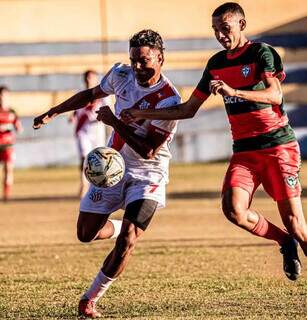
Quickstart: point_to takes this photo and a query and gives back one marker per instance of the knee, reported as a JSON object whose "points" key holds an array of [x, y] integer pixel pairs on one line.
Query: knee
{"points": [[234, 213], [84, 235]]}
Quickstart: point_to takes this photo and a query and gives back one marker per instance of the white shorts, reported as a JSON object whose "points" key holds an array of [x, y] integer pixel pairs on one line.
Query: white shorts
{"points": [[129, 189]]}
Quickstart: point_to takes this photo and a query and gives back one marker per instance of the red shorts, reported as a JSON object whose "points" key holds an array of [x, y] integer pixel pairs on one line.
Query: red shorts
{"points": [[7, 155], [276, 168]]}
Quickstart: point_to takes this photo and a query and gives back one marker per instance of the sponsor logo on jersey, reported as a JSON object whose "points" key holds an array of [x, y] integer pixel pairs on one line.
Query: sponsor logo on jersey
{"points": [[245, 71], [292, 181], [231, 100], [95, 195], [144, 104]]}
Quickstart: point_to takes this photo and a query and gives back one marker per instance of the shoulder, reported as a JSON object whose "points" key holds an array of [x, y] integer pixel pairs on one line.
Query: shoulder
{"points": [[217, 59], [263, 48], [169, 90], [121, 70]]}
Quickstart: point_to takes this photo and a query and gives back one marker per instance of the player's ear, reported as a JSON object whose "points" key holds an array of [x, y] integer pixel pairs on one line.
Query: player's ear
{"points": [[160, 58], [242, 24]]}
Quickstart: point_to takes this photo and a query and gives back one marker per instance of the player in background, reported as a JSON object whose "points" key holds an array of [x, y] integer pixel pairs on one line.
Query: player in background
{"points": [[89, 132], [9, 123], [144, 146], [248, 76]]}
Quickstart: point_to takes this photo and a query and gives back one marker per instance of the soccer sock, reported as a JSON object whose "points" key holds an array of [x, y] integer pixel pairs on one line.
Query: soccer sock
{"points": [[98, 288], [117, 224], [266, 229]]}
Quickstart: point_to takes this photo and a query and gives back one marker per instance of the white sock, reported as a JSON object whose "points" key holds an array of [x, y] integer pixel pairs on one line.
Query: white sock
{"points": [[117, 224], [98, 288]]}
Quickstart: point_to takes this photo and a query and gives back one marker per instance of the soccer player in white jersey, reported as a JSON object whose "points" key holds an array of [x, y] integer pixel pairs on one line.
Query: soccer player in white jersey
{"points": [[145, 147], [89, 132]]}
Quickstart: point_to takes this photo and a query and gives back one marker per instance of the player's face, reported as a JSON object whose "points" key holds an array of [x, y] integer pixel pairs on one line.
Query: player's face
{"points": [[228, 29], [91, 80], [146, 64]]}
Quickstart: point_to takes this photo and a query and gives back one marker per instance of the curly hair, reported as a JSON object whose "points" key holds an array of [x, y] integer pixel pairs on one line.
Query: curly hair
{"points": [[147, 38]]}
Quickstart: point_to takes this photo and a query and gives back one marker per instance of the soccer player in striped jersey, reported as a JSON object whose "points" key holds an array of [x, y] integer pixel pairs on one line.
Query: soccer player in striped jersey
{"points": [[9, 122], [265, 151]]}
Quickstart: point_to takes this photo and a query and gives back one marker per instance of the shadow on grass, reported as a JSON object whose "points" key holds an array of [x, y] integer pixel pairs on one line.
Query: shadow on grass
{"points": [[184, 195]]}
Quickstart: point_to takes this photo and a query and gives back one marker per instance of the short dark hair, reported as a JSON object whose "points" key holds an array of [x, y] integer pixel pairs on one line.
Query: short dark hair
{"points": [[4, 88], [231, 7], [87, 72], [148, 38]]}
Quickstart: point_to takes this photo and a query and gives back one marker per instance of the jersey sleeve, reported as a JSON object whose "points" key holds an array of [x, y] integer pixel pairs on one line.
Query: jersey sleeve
{"points": [[270, 63], [108, 81], [167, 126], [202, 89]]}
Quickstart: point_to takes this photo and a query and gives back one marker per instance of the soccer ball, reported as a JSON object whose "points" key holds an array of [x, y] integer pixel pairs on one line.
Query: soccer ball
{"points": [[104, 167]]}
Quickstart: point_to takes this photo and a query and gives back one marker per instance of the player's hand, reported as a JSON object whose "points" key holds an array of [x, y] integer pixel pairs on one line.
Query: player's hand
{"points": [[219, 86], [105, 115], [43, 119], [127, 116]]}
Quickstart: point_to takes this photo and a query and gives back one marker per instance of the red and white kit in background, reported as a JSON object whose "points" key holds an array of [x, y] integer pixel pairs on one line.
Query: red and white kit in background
{"points": [[8, 123], [144, 179], [89, 132]]}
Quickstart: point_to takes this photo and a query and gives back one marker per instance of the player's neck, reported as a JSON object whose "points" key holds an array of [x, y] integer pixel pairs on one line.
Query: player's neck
{"points": [[154, 80], [242, 43]]}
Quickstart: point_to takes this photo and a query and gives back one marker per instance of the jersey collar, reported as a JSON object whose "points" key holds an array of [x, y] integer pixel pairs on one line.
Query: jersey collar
{"points": [[239, 52]]}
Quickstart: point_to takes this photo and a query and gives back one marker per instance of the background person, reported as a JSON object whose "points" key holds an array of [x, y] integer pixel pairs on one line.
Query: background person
{"points": [[89, 132], [9, 123]]}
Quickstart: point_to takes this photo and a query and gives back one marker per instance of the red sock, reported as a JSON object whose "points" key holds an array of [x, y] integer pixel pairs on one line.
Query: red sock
{"points": [[266, 229]]}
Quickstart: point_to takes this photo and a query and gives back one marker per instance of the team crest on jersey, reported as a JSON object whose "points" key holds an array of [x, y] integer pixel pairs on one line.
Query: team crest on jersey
{"points": [[95, 195], [245, 71], [144, 104], [291, 181]]}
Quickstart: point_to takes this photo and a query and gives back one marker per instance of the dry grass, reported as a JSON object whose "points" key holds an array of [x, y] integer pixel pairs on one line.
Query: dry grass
{"points": [[190, 264]]}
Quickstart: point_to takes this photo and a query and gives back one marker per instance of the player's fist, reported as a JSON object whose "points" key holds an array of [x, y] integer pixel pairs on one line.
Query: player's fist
{"points": [[105, 115], [127, 116], [42, 119]]}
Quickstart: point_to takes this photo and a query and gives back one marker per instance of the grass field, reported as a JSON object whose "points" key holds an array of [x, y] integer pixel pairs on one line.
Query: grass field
{"points": [[190, 264]]}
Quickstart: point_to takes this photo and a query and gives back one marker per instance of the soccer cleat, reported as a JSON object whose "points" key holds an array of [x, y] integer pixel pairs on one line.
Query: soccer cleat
{"points": [[292, 264], [87, 309]]}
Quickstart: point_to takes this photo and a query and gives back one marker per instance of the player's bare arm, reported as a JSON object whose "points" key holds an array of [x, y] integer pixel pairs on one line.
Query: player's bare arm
{"points": [[146, 148], [181, 111], [272, 94], [77, 101]]}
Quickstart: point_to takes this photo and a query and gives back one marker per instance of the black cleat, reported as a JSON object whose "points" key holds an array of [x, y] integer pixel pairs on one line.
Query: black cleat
{"points": [[292, 264]]}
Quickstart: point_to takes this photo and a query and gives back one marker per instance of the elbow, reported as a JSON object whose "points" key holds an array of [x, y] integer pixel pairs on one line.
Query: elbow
{"points": [[191, 114], [278, 99]]}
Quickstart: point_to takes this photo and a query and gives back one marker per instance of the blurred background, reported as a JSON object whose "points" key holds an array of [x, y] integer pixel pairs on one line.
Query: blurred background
{"points": [[46, 45]]}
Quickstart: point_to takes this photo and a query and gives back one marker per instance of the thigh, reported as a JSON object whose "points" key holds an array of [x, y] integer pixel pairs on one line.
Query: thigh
{"points": [[280, 172], [242, 173], [90, 223], [140, 212]]}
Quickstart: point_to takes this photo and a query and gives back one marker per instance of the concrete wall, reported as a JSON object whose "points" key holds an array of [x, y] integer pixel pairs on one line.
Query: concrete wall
{"points": [[46, 44]]}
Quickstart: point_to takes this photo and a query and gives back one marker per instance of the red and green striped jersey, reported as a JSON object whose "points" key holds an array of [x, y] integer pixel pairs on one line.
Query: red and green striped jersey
{"points": [[8, 122], [253, 125]]}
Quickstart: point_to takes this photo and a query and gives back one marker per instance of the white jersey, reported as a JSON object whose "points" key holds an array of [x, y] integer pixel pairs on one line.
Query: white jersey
{"points": [[121, 82], [89, 132]]}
